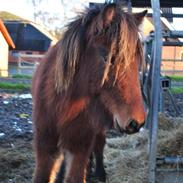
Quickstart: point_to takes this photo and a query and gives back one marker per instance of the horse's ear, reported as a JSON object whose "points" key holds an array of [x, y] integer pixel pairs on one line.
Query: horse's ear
{"points": [[139, 17], [108, 15]]}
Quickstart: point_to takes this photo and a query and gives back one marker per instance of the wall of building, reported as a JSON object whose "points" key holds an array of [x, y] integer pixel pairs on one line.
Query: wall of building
{"points": [[171, 56], [172, 60], [171, 52], [3, 56]]}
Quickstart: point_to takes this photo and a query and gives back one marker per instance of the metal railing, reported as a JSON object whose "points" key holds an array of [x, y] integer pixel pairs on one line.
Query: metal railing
{"points": [[23, 63]]}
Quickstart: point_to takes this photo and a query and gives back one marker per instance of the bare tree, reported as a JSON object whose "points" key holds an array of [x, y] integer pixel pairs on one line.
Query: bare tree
{"points": [[64, 5], [35, 4], [68, 7]]}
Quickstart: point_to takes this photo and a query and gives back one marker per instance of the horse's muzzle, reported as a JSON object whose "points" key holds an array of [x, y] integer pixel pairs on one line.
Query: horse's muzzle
{"points": [[133, 127]]}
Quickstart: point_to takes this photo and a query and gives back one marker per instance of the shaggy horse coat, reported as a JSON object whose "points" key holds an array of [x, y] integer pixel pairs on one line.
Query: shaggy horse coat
{"points": [[87, 82]]}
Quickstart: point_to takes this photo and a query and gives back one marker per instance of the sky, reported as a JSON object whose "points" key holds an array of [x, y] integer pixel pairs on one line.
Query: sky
{"points": [[25, 9]]}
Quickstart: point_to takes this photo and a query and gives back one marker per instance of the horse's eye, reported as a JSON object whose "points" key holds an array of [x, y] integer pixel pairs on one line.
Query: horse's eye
{"points": [[103, 53], [105, 58], [112, 60]]}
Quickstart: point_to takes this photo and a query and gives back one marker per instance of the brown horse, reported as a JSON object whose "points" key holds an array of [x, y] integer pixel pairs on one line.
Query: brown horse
{"points": [[89, 81]]}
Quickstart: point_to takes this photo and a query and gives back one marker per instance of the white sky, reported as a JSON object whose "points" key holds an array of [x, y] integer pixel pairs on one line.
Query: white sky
{"points": [[24, 8], [18, 7]]}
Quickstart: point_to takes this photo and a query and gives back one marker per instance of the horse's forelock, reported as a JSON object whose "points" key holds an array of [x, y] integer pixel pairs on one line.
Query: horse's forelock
{"points": [[72, 45], [128, 40], [125, 43]]}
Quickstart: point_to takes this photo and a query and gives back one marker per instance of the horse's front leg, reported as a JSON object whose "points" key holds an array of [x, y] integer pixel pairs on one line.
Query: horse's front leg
{"points": [[76, 158], [100, 173], [44, 164], [75, 167], [45, 151]]}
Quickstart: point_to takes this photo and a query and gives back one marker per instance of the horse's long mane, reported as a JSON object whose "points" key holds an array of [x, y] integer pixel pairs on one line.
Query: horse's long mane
{"points": [[68, 55], [121, 34]]}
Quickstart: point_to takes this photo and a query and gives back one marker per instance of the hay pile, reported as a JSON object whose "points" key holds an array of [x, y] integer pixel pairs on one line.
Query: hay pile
{"points": [[126, 157]]}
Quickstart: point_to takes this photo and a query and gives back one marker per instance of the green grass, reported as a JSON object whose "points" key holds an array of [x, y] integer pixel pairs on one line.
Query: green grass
{"points": [[176, 78], [21, 76], [177, 89], [14, 86]]}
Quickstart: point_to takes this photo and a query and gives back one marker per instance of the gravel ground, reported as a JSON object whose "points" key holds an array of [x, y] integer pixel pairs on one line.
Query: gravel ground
{"points": [[15, 115], [16, 157]]}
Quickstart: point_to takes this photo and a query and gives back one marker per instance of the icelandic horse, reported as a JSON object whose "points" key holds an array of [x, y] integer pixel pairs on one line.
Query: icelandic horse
{"points": [[88, 82]]}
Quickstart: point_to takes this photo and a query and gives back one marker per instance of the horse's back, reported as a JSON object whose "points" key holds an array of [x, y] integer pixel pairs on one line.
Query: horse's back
{"points": [[43, 83], [44, 71]]}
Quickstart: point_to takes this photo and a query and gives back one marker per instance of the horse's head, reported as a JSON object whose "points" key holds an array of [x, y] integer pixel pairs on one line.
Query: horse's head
{"points": [[115, 55], [100, 57]]}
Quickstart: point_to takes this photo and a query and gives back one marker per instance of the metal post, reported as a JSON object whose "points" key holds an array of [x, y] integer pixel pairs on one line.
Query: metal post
{"points": [[129, 5], [173, 102], [161, 100], [155, 88], [170, 160], [174, 60], [19, 63]]}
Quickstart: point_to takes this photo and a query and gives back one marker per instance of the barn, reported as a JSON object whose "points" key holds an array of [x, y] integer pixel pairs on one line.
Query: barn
{"points": [[30, 38]]}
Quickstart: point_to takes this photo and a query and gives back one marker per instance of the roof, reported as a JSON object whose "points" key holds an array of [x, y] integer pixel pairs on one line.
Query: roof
{"points": [[44, 31], [6, 34], [147, 3], [12, 18], [29, 36], [163, 3]]}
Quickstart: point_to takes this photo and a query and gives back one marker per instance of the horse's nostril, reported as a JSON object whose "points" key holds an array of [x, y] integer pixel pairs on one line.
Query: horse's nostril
{"points": [[133, 124], [133, 127]]}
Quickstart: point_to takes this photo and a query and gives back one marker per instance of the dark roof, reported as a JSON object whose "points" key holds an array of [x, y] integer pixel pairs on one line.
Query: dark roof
{"points": [[163, 3], [27, 37], [147, 3]]}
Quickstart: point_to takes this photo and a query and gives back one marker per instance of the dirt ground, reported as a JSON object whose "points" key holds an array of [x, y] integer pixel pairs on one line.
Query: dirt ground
{"points": [[16, 157], [124, 155]]}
